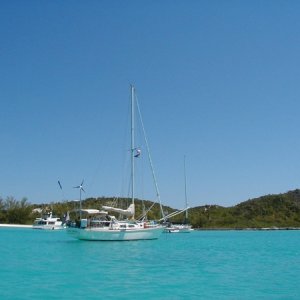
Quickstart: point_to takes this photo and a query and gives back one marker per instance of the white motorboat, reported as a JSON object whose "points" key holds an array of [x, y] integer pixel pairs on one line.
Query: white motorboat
{"points": [[48, 222]]}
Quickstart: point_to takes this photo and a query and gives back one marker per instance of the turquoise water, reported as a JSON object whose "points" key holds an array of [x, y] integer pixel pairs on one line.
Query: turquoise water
{"points": [[200, 265]]}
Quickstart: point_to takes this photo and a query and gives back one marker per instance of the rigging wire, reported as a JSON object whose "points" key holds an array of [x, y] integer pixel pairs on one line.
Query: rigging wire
{"points": [[150, 159]]}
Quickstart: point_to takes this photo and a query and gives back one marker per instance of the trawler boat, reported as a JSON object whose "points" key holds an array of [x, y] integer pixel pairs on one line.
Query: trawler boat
{"points": [[48, 222]]}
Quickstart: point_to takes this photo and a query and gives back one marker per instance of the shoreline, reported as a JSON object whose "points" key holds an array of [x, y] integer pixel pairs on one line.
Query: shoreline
{"points": [[247, 229], [196, 229], [15, 226]]}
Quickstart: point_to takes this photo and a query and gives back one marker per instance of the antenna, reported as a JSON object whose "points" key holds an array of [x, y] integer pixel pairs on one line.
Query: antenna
{"points": [[80, 189]]}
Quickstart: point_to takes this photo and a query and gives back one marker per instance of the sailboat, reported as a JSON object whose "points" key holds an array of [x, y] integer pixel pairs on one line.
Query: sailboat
{"points": [[185, 227], [99, 225]]}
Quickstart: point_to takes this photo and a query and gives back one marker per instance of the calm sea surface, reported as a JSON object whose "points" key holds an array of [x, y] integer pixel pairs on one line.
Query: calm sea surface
{"points": [[201, 265]]}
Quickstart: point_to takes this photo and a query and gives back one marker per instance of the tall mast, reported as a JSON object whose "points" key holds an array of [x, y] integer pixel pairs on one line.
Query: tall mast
{"points": [[186, 202], [132, 145]]}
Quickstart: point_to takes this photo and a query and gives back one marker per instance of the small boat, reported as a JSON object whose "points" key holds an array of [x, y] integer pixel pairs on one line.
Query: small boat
{"points": [[48, 222], [98, 225], [179, 228], [185, 227]]}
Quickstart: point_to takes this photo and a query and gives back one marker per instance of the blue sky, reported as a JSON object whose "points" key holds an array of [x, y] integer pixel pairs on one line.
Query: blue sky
{"points": [[217, 81]]}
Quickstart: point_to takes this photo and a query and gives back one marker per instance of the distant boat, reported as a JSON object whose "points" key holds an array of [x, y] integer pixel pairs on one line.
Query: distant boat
{"points": [[185, 227], [96, 225], [179, 228], [48, 222]]}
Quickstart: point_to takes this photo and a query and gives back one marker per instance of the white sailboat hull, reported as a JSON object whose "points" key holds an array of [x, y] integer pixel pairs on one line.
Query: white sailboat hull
{"points": [[107, 234]]}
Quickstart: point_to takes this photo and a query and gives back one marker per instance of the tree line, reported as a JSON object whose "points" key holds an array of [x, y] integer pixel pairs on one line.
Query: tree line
{"points": [[282, 210], [13, 211]]}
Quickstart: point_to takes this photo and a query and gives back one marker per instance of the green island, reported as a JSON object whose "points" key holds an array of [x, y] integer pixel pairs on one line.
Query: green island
{"points": [[280, 211]]}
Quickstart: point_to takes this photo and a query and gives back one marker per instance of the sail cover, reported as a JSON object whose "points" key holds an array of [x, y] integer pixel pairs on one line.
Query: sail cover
{"points": [[129, 212]]}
